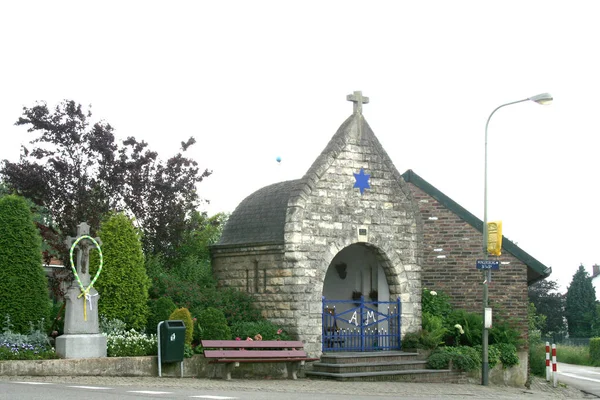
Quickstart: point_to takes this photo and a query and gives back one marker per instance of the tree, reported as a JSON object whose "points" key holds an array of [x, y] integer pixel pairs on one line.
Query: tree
{"points": [[78, 172], [581, 304], [193, 262], [549, 303], [23, 285], [123, 284]]}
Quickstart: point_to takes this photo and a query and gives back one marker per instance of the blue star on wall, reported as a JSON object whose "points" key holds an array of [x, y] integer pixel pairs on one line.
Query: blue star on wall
{"points": [[362, 181]]}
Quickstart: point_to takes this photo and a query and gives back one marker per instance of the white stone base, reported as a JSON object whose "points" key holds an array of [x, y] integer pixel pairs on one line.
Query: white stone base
{"points": [[81, 346]]}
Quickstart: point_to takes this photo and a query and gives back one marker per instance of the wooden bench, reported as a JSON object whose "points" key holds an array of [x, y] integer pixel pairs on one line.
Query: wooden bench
{"points": [[233, 352]]}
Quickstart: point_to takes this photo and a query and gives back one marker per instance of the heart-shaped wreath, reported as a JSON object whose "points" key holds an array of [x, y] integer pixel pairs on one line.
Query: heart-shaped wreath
{"points": [[85, 291]]}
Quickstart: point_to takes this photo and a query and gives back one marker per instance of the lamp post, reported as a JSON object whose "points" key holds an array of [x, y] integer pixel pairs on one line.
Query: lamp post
{"points": [[544, 98]]}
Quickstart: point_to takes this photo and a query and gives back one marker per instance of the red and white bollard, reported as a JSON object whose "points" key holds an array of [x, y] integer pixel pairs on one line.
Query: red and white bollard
{"points": [[554, 365], [548, 373]]}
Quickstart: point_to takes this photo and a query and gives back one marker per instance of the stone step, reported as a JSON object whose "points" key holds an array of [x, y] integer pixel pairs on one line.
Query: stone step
{"points": [[370, 366], [374, 357], [423, 375]]}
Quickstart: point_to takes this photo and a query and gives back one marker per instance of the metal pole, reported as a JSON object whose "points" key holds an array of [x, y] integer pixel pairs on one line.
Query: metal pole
{"points": [[159, 355], [485, 367]]}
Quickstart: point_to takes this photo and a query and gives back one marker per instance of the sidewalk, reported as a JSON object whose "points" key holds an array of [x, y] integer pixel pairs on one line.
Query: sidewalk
{"points": [[539, 388]]}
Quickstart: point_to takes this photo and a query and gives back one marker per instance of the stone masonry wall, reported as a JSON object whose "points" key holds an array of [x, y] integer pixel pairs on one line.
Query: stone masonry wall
{"points": [[451, 248], [258, 270], [324, 219]]}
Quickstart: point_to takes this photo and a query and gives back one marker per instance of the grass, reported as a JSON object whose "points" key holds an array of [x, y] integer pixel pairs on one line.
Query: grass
{"points": [[578, 355]]}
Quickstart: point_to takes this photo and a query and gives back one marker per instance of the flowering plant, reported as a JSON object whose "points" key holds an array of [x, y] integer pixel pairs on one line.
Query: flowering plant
{"points": [[131, 344], [459, 331]]}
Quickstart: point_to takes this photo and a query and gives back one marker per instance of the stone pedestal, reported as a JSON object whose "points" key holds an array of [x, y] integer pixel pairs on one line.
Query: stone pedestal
{"points": [[81, 346], [75, 323], [82, 338]]}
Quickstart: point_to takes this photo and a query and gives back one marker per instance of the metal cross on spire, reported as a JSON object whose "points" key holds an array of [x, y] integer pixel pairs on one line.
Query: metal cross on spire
{"points": [[358, 99]]}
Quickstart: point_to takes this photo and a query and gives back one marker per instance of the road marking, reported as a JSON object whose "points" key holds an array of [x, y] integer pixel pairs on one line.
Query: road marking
{"points": [[90, 387], [35, 383], [148, 392], [579, 377], [214, 397]]}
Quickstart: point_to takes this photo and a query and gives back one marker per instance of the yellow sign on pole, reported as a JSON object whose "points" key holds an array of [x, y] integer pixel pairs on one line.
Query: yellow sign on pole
{"points": [[494, 243]]}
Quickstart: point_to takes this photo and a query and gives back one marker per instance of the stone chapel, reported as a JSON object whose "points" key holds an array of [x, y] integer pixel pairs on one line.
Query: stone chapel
{"points": [[354, 224]]}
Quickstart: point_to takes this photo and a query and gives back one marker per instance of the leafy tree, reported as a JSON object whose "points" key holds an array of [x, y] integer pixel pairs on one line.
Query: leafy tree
{"points": [[550, 303], [581, 304], [123, 284], [78, 172], [193, 261], [23, 284]]}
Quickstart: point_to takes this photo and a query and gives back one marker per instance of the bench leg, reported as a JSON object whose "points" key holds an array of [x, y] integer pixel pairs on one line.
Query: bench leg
{"points": [[228, 369], [292, 370]]}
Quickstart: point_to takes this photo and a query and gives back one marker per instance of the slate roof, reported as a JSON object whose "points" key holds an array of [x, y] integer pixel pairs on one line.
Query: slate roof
{"points": [[260, 217], [535, 271]]}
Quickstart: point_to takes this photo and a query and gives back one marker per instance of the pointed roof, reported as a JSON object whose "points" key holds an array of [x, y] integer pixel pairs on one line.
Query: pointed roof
{"points": [[535, 269]]}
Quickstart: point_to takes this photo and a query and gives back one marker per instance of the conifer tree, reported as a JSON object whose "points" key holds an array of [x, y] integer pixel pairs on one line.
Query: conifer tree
{"points": [[24, 293], [581, 304], [123, 283]]}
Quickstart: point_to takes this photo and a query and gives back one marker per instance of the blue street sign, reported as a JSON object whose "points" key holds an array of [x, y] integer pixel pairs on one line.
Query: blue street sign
{"points": [[488, 264]]}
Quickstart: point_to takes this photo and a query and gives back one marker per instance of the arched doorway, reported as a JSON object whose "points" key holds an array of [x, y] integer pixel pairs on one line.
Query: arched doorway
{"points": [[358, 314]]}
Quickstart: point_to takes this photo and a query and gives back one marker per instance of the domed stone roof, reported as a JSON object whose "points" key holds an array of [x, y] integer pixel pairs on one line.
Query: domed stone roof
{"points": [[260, 217]]}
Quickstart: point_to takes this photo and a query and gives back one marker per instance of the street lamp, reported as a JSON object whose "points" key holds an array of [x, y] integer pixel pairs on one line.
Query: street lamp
{"points": [[544, 98]]}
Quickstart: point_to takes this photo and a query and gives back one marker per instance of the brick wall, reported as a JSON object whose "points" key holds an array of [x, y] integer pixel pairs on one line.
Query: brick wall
{"points": [[450, 250]]}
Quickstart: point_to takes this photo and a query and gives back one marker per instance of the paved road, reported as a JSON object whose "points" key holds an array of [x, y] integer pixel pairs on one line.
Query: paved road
{"points": [[107, 388], [584, 378]]}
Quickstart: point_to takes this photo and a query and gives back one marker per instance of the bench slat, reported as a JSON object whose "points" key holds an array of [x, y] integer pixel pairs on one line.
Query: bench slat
{"points": [[246, 344], [254, 353], [259, 360]]}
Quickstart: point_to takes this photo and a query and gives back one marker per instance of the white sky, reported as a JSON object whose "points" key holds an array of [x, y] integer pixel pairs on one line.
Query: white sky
{"points": [[253, 80]]}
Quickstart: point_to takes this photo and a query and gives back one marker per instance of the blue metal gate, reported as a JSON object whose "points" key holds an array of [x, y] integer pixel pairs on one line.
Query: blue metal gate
{"points": [[359, 325]]}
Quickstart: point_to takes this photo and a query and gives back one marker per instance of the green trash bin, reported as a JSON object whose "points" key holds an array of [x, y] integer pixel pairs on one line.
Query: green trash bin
{"points": [[171, 341]]}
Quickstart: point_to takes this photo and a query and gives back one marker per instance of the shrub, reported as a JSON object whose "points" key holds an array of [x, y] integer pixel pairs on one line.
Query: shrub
{"points": [[537, 359], [184, 315], [239, 307], [433, 331], [213, 325], [439, 360], [184, 294], [111, 326], [57, 319], [267, 329], [435, 303], [160, 310], [504, 332], [411, 340], [23, 284], [595, 351], [493, 354], [123, 284], [508, 355], [464, 358], [471, 323]]}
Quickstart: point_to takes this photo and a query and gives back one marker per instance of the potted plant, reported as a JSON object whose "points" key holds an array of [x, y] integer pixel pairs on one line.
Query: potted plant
{"points": [[356, 296], [373, 295]]}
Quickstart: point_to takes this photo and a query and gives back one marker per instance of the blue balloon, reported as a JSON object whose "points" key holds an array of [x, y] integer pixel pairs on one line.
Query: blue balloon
{"points": [[278, 159]]}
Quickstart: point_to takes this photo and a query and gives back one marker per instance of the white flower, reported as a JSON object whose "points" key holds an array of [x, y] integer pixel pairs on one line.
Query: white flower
{"points": [[460, 328], [433, 293]]}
